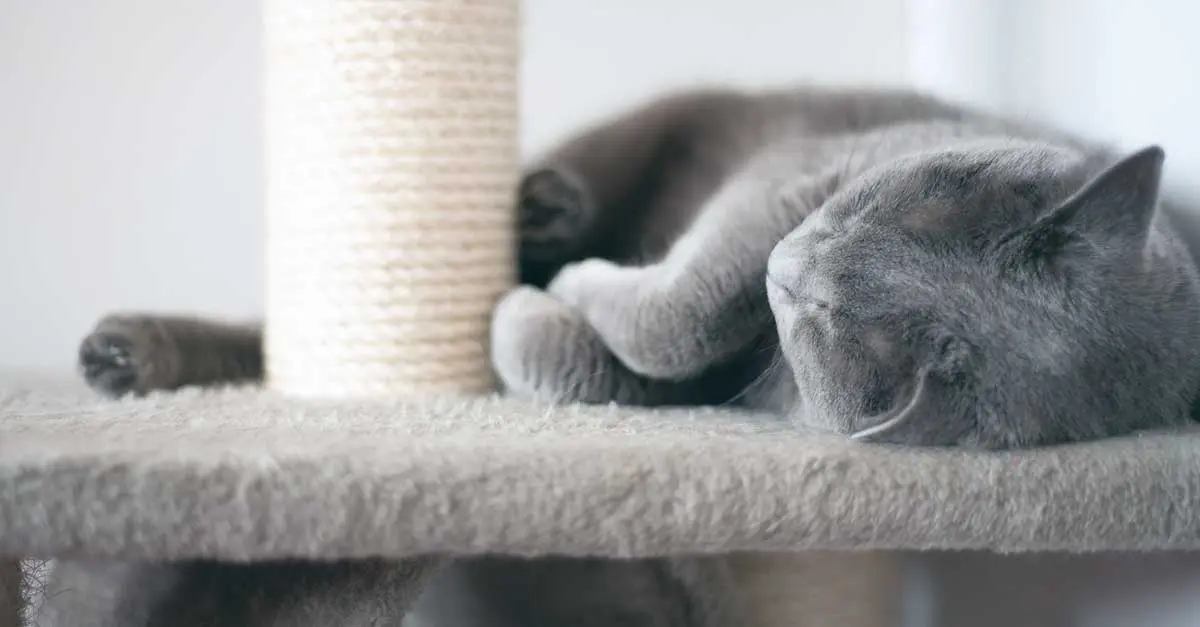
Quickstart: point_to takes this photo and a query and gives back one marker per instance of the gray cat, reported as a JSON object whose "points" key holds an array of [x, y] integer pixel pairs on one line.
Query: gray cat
{"points": [[869, 262], [873, 263]]}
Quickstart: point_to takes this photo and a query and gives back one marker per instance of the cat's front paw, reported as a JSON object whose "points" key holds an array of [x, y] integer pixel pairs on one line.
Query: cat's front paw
{"points": [[542, 348], [128, 354], [518, 322]]}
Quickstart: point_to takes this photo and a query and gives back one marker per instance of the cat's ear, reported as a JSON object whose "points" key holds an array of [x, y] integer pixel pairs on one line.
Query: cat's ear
{"points": [[1114, 208]]}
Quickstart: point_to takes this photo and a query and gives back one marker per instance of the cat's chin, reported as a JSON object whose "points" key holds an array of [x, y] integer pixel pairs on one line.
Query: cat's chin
{"points": [[807, 419]]}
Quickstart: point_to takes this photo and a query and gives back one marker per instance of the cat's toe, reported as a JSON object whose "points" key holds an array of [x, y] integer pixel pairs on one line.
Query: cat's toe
{"points": [[124, 355], [521, 324], [516, 321]]}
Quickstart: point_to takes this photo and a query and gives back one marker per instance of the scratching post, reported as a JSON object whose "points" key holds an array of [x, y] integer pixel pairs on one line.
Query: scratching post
{"points": [[391, 155]]}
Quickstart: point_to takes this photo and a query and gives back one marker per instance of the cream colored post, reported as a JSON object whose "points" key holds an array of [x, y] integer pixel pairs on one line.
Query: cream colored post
{"points": [[391, 157]]}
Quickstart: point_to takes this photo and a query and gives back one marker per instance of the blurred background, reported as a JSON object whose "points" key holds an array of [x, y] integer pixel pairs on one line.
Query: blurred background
{"points": [[130, 175]]}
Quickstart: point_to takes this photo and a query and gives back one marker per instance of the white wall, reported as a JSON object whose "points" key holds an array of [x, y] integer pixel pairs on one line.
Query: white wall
{"points": [[585, 57], [1116, 70], [1120, 70], [129, 131], [129, 173]]}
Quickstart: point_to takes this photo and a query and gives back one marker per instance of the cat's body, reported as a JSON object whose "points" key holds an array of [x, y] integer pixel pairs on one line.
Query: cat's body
{"points": [[1046, 328], [937, 276], [646, 177], [691, 193]]}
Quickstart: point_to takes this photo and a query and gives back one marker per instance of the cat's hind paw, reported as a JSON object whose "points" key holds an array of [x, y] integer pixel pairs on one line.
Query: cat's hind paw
{"points": [[552, 216], [127, 354], [552, 210]]}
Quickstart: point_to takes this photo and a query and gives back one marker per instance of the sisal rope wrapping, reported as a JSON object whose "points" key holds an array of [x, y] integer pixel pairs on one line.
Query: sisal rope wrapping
{"points": [[391, 156]]}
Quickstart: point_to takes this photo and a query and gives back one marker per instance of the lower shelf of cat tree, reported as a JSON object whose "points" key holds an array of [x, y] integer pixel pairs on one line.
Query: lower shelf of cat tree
{"points": [[243, 474]]}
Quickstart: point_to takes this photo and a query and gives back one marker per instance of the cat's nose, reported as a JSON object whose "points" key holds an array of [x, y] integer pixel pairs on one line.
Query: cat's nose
{"points": [[783, 271], [783, 308], [782, 298]]}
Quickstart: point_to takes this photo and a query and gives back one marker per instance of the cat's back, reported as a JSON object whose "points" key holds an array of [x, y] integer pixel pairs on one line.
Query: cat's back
{"points": [[820, 111], [703, 137], [746, 119]]}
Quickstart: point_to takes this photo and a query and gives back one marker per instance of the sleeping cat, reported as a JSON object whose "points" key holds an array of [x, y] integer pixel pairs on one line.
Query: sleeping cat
{"points": [[873, 263]]}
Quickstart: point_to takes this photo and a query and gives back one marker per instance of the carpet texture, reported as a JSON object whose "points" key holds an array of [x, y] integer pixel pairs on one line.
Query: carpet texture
{"points": [[242, 474]]}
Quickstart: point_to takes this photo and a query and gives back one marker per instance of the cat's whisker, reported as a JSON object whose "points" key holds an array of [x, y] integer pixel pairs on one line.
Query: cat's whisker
{"points": [[771, 369]]}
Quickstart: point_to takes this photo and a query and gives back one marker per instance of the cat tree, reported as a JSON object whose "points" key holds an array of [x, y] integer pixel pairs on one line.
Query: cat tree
{"points": [[391, 154], [391, 158]]}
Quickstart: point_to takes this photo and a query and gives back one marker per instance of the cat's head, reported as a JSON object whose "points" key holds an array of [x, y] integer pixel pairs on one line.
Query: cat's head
{"points": [[993, 296]]}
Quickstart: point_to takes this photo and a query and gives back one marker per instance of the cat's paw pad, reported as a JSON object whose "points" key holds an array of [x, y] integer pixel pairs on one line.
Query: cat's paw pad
{"points": [[551, 215], [126, 354]]}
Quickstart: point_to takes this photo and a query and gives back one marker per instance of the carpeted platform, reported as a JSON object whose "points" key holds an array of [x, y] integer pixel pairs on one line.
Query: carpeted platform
{"points": [[242, 474]]}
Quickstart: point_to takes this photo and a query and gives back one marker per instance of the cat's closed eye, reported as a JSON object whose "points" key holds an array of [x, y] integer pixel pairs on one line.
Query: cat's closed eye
{"points": [[818, 316], [798, 298]]}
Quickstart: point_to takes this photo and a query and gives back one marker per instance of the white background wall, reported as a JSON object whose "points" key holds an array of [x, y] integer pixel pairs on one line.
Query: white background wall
{"points": [[129, 175], [129, 131], [1118, 70]]}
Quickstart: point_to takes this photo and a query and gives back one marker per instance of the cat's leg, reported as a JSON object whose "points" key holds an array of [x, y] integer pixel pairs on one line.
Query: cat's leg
{"points": [[139, 353], [706, 300], [543, 348], [571, 199]]}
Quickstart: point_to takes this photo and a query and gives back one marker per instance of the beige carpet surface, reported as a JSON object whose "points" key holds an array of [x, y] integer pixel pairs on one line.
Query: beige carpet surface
{"points": [[243, 474]]}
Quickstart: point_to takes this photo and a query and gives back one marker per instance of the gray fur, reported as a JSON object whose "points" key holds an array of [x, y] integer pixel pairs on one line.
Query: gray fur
{"points": [[830, 261], [204, 594], [1028, 291], [936, 276], [138, 353]]}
